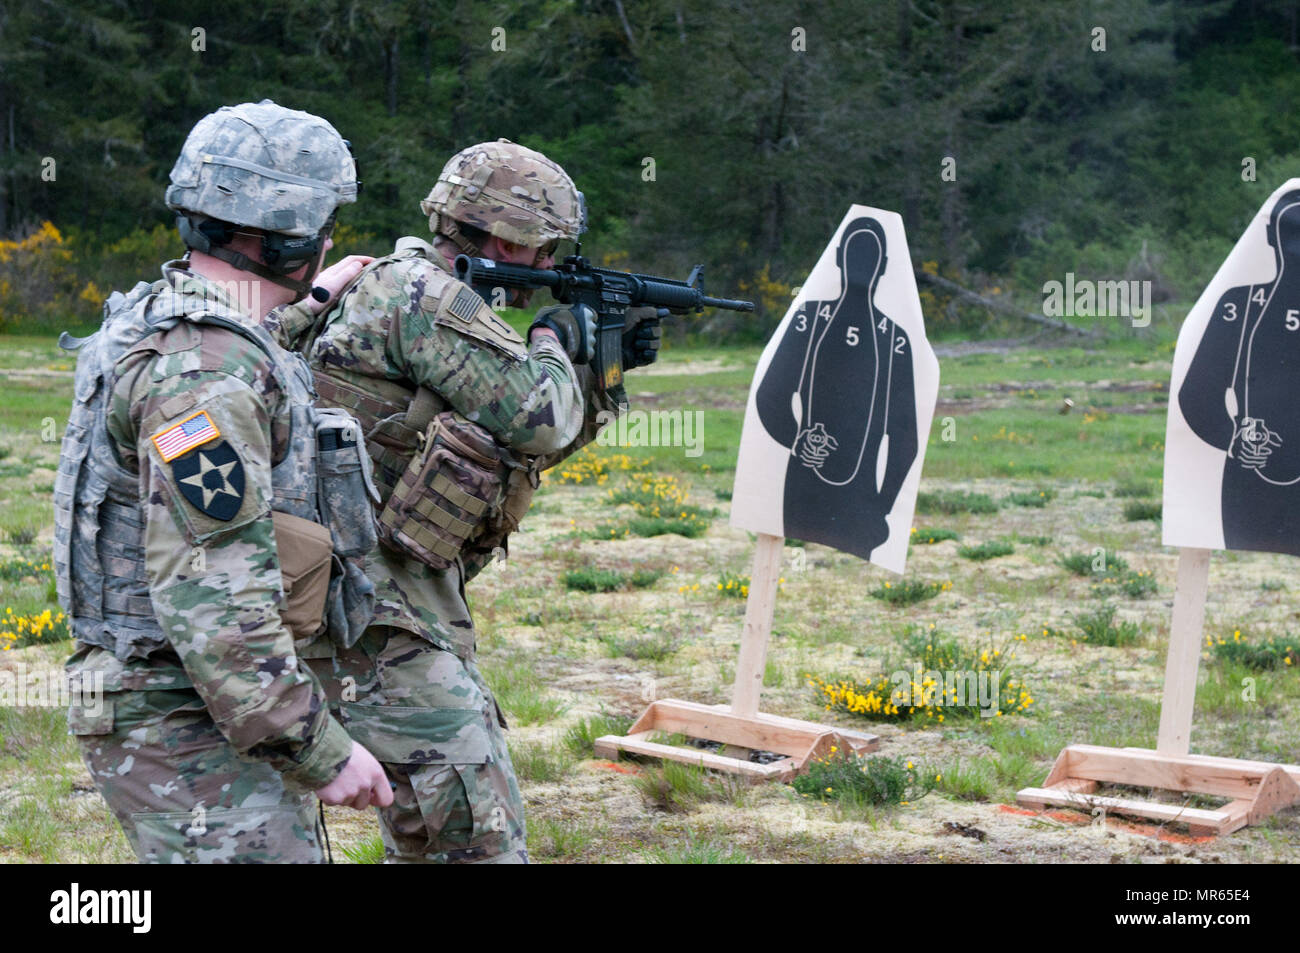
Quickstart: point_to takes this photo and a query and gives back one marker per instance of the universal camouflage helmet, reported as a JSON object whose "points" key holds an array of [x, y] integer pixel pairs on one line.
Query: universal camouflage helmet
{"points": [[263, 166], [507, 190]]}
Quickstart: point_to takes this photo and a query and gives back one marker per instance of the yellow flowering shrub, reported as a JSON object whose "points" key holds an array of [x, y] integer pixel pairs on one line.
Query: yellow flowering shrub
{"points": [[19, 630]]}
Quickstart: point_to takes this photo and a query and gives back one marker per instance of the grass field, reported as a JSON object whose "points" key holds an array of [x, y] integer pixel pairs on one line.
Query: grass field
{"points": [[589, 619]]}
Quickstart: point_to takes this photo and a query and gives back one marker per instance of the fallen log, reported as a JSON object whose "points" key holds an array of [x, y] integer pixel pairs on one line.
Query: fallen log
{"points": [[1005, 307]]}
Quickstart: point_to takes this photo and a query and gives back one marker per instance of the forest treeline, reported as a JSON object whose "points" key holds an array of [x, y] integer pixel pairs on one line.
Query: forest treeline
{"points": [[1019, 138]]}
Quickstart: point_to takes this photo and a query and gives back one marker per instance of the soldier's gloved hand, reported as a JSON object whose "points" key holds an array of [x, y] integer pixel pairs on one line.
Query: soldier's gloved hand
{"points": [[362, 783], [642, 336], [575, 325]]}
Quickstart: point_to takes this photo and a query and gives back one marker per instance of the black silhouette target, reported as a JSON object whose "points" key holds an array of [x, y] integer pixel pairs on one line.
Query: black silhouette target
{"points": [[1240, 388], [837, 392]]}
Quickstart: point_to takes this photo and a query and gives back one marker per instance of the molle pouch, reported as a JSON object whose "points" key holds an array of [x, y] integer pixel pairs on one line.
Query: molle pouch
{"points": [[350, 605], [447, 493], [390, 444], [523, 479], [344, 485]]}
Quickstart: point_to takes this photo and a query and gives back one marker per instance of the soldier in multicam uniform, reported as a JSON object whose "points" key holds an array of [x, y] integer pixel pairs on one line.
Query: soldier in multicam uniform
{"points": [[460, 417], [203, 539]]}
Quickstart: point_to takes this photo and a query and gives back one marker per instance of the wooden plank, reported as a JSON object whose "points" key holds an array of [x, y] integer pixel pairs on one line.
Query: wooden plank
{"points": [[1215, 820], [1276, 792], [1060, 769], [1075, 785], [720, 724], [1154, 770], [1238, 815], [705, 759], [1255, 767], [646, 722], [758, 625], [1184, 656], [849, 734]]}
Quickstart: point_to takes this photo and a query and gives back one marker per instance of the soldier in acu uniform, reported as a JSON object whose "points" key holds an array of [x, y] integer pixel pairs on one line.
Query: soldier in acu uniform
{"points": [[205, 534], [460, 416]]}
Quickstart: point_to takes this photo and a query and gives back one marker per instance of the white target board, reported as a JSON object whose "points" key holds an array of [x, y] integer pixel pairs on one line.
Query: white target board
{"points": [[840, 408], [1232, 444]]}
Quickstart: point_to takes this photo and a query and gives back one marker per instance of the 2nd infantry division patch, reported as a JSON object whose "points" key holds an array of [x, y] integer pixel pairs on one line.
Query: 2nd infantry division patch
{"points": [[212, 480]]}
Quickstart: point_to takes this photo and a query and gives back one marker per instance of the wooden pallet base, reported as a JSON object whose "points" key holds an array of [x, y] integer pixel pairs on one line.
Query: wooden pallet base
{"points": [[799, 741], [1257, 789]]}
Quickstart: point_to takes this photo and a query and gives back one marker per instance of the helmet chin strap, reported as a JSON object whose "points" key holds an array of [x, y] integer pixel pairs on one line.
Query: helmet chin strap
{"points": [[244, 263], [448, 228], [197, 240]]}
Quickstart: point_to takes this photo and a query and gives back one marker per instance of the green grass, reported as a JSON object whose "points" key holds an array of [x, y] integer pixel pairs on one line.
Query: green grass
{"points": [[968, 780], [1033, 540], [1036, 499], [692, 525], [955, 502], [21, 535], [1137, 584], [1099, 627], [1141, 510], [1274, 652], [655, 647], [1134, 488], [674, 787], [926, 537], [987, 550], [908, 592], [697, 852], [733, 585], [1018, 738], [563, 840], [537, 761], [368, 851], [520, 691], [580, 737], [1099, 562], [857, 784], [609, 580]]}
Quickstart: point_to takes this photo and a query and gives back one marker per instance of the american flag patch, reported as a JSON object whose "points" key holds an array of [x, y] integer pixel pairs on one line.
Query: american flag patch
{"points": [[465, 305], [191, 432]]}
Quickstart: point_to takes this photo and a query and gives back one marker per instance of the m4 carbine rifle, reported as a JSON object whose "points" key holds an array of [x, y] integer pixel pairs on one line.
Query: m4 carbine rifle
{"points": [[576, 281]]}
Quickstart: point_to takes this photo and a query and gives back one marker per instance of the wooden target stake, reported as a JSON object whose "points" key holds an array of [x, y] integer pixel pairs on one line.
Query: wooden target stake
{"points": [[740, 727], [1256, 788]]}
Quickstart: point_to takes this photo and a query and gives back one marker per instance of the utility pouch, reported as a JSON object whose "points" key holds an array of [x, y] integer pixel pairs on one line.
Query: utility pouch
{"points": [[446, 494], [521, 482], [344, 485], [306, 563]]}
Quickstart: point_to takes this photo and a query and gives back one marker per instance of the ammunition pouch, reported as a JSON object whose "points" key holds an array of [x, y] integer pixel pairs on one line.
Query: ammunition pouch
{"points": [[448, 493], [344, 495], [448, 488]]}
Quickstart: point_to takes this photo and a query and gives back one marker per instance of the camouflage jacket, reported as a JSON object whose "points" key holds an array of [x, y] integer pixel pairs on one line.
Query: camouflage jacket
{"points": [[210, 549], [398, 323]]}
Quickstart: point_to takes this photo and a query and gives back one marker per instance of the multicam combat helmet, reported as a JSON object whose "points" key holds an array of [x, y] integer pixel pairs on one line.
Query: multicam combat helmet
{"points": [[263, 166], [507, 190]]}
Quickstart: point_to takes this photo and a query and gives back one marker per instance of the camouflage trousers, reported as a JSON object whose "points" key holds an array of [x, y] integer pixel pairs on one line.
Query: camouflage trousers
{"points": [[430, 719], [179, 790]]}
